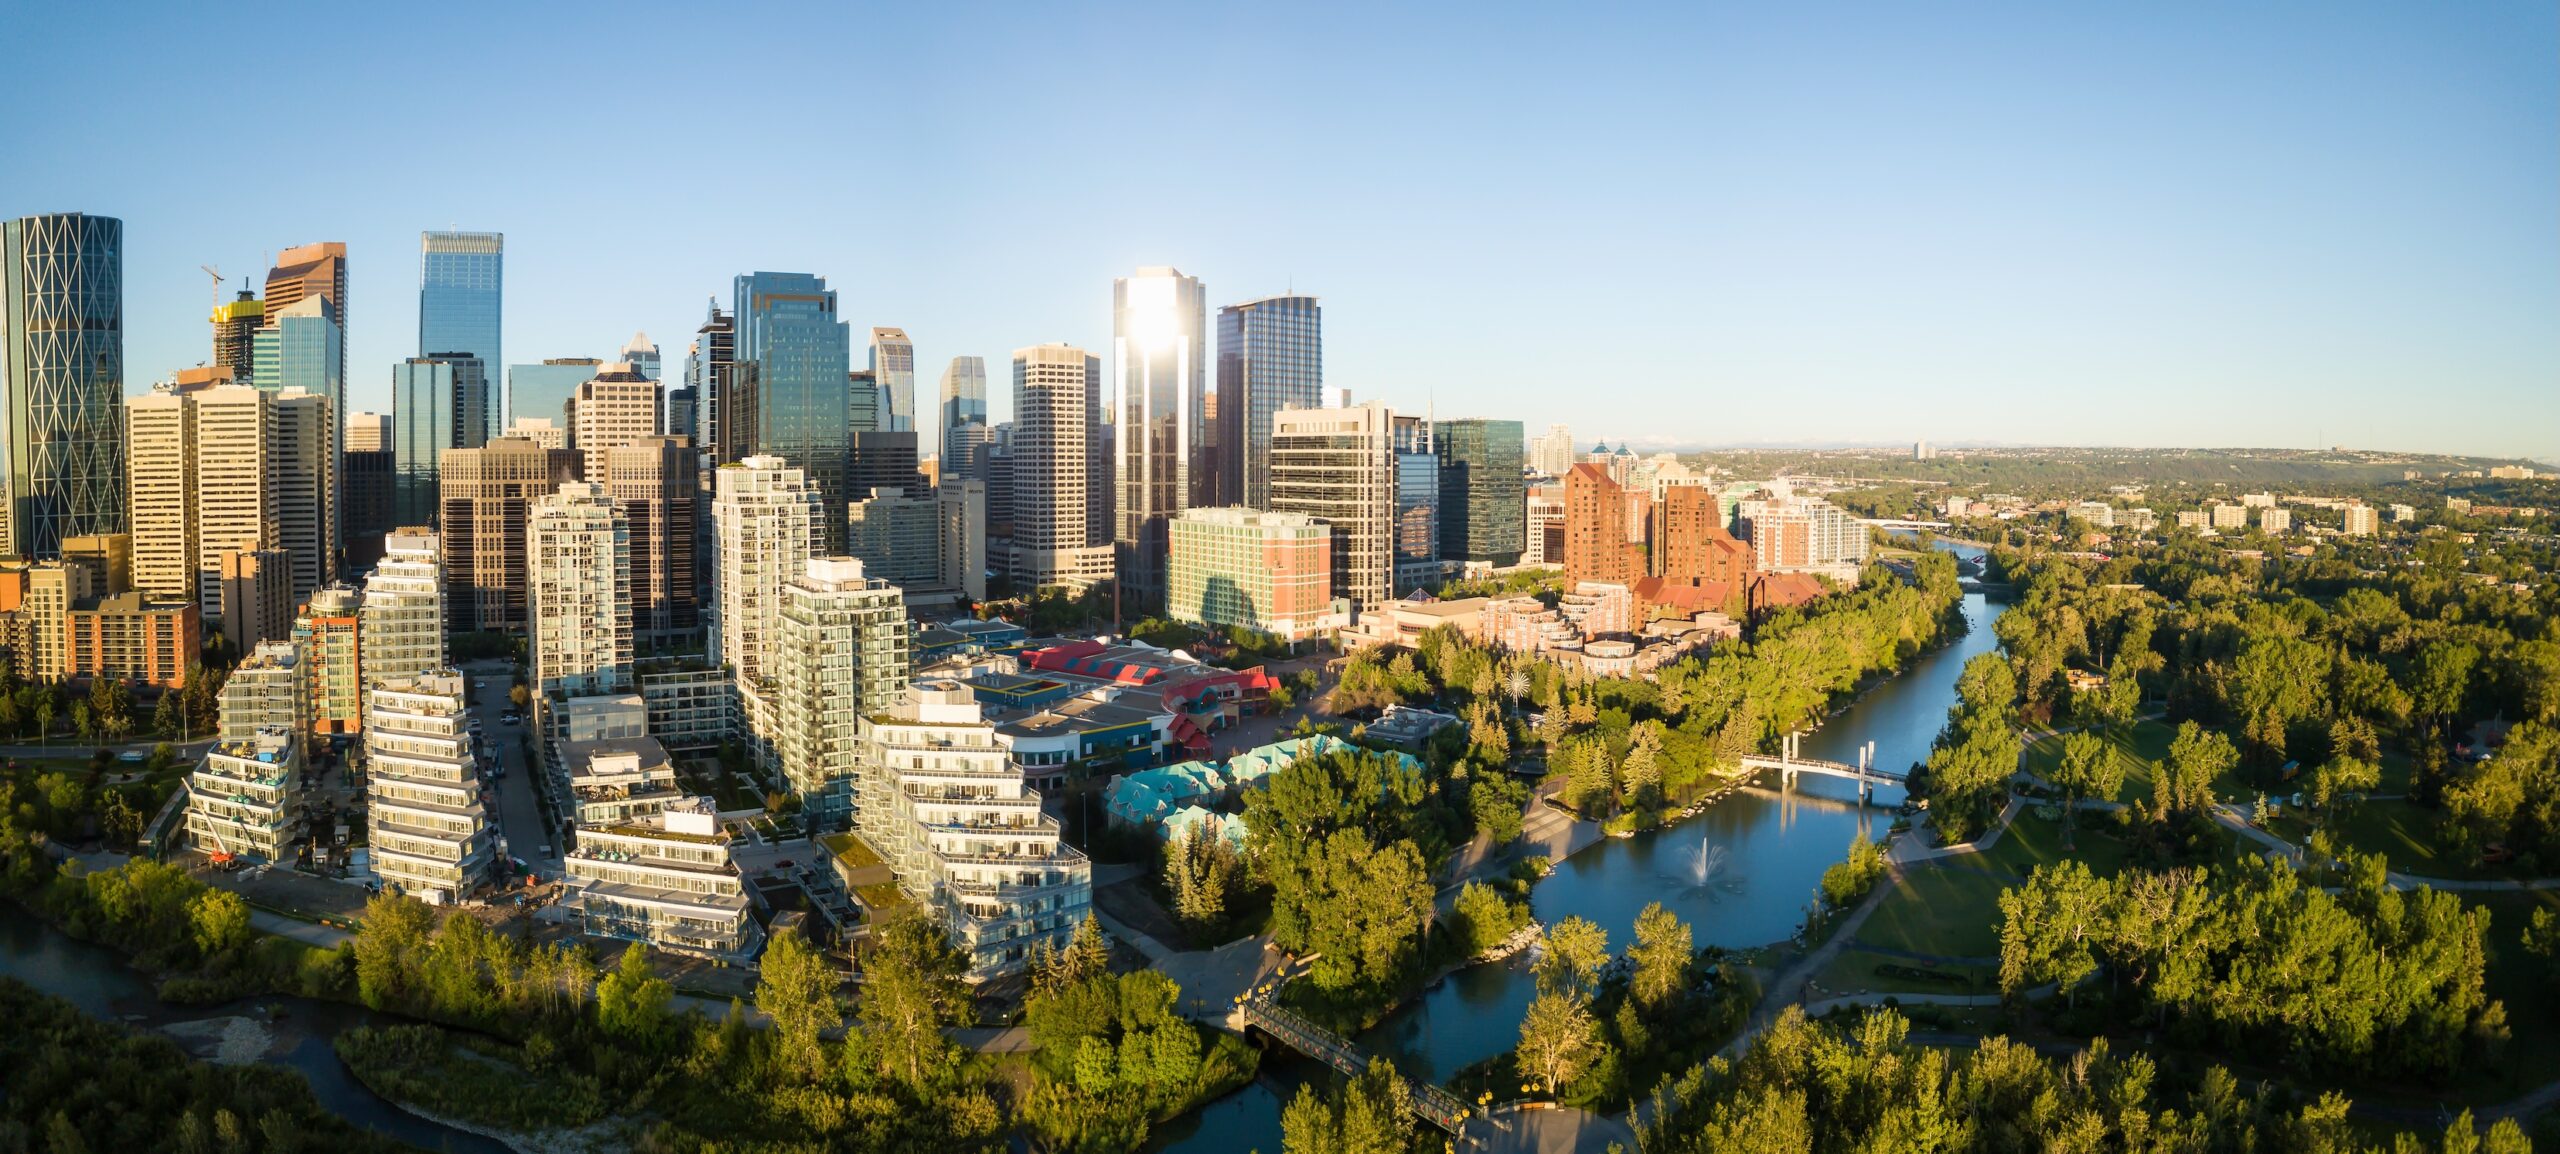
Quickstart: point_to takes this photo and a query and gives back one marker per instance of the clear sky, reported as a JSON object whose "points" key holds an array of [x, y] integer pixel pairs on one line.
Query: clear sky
{"points": [[2263, 224]]}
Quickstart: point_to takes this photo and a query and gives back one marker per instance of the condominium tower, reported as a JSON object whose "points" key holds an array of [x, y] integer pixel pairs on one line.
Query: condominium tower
{"points": [[62, 365], [839, 652], [1159, 381], [401, 623], [767, 522], [1270, 358], [578, 593], [426, 821]]}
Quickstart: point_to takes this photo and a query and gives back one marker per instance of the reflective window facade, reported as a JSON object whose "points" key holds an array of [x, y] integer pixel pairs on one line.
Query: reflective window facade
{"points": [[793, 357], [543, 390], [893, 369], [459, 288], [1270, 357], [1483, 503], [437, 404], [1155, 412], [62, 363]]}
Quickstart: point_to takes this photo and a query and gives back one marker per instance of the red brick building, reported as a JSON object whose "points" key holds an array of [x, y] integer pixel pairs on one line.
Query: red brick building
{"points": [[1596, 544]]}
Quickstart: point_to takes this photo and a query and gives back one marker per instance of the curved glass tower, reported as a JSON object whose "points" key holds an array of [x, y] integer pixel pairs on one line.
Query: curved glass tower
{"points": [[62, 365]]}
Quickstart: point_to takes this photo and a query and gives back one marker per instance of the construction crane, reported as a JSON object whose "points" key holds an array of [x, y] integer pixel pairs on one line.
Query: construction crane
{"points": [[216, 274]]}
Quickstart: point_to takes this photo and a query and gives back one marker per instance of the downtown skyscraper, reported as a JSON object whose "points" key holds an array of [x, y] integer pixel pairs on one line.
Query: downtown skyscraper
{"points": [[1270, 358], [62, 364], [893, 369], [1061, 507], [461, 278], [1159, 370], [301, 273], [792, 360], [964, 403]]}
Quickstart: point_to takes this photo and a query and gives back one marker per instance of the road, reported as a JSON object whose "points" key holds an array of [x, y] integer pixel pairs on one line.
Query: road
{"points": [[511, 798]]}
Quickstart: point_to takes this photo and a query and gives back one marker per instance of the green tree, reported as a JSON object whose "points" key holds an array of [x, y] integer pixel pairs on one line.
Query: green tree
{"points": [[2197, 758], [631, 1002], [2089, 769], [1558, 1038], [1486, 918], [1370, 1114], [221, 922], [797, 989], [1577, 948], [1660, 957], [1199, 872], [912, 990], [390, 939]]}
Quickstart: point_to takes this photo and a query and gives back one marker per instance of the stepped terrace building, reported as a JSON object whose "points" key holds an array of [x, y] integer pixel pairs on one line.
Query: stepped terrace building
{"points": [[665, 879], [428, 825], [619, 779], [245, 798], [942, 803]]}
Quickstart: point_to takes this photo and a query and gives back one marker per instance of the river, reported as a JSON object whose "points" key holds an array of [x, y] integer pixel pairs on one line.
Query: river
{"points": [[97, 980], [1761, 856]]}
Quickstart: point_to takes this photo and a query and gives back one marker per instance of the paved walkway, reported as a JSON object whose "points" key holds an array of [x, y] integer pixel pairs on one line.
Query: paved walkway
{"points": [[2236, 819], [1788, 988], [1563, 1130]]}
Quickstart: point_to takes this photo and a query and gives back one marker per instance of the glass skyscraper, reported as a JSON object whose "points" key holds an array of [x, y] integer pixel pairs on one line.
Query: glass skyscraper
{"points": [[438, 403], [893, 368], [62, 362], [304, 349], [459, 284], [1417, 506], [793, 360], [1156, 424], [1270, 357], [543, 390], [1484, 505]]}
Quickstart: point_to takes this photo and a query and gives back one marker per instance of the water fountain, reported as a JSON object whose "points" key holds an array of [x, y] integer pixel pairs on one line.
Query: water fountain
{"points": [[1705, 862]]}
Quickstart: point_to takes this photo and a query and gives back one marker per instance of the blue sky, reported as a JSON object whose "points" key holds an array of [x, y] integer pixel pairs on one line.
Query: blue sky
{"points": [[2273, 224]]}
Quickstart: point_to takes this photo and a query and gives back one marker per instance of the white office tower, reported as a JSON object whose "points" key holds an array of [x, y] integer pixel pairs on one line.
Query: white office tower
{"points": [[943, 804], [617, 407], [267, 690], [664, 878], [1061, 510], [840, 652], [427, 823], [767, 521], [578, 594], [400, 627], [1339, 465]]}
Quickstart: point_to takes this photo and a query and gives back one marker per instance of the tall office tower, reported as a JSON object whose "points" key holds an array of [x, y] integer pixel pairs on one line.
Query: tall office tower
{"points": [[62, 363], [236, 498], [366, 481], [793, 355], [997, 467], [1417, 506], [544, 390], [1270, 357], [578, 550], [618, 407], [1061, 492], [235, 336], [160, 449], [401, 623], [1543, 542], [1339, 465], [306, 485], [767, 518], [1690, 544], [1551, 454], [329, 633], [425, 820], [722, 428], [1483, 502], [306, 271], [839, 652], [368, 432], [460, 285], [641, 354], [543, 431], [882, 461], [681, 410], [964, 400], [1595, 530], [929, 544], [864, 411], [653, 481], [964, 452], [1159, 371], [302, 347], [485, 494], [422, 425], [893, 368]]}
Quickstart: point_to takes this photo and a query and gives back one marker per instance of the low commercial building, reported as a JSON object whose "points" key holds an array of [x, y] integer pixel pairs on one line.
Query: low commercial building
{"points": [[665, 878], [427, 822], [245, 799]]}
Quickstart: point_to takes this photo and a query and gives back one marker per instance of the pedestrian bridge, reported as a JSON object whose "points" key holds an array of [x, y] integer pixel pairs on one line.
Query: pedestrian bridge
{"points": [[1435, 1105], [1788, 765], [1901, 523]]}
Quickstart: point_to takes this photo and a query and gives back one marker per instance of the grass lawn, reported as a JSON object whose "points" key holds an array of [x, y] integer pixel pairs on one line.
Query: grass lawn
{"points": [[2139, 748], [2400, 831], [851, 849], [882, 897], [1939, 911], [2033, 841]]}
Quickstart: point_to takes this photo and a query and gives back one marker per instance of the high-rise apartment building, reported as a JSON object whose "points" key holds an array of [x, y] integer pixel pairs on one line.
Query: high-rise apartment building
{"points": [[160, 449], [766, 519], [544, 390], [943, 802], [928, 543], [1159, 382], [1061, 476], [1551, 455], [486, 494], [329, 635], [62, 366], [964, 402], [461, 282], [652, 481], [1270, 358], [665, 878], [617, 407], [400, 625], [426, 820], [793, 354], [302, 273], [1417, 506], [893, 369], [1794, 533], [578, 594], [839, 652], [265, 691], [1483, 501], [1690, 543], [1339, 466], [231, 469], [1596, 547], [235, 335], [254, 590], [2359, 521], [1267, 572]]}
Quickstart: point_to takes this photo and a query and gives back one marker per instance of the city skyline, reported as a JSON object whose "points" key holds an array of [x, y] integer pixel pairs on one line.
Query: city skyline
{"points": [[2274, 224]]}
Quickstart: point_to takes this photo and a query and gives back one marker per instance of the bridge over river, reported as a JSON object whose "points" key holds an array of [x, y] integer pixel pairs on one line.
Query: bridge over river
{"points": [[1788, 765], [1435, 1105]]}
